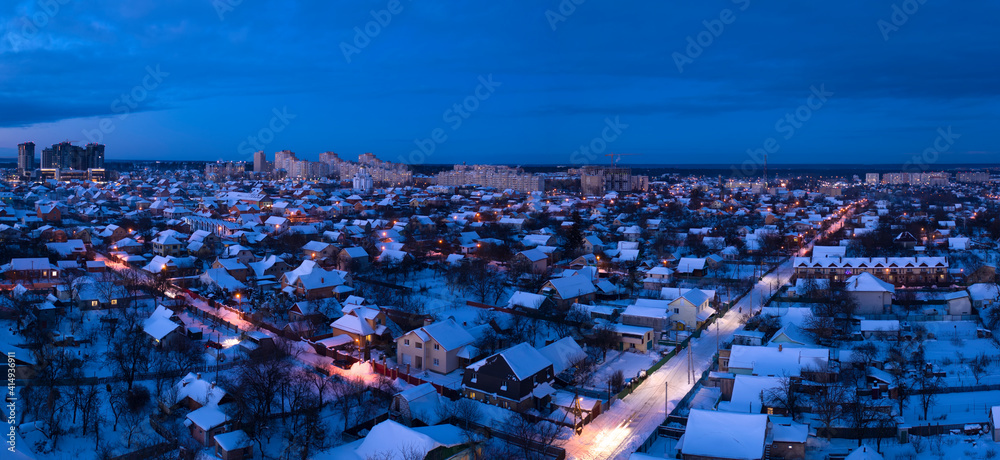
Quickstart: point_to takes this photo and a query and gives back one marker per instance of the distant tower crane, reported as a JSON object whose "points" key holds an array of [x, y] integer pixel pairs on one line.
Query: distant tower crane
{"points": [[617, 156]]}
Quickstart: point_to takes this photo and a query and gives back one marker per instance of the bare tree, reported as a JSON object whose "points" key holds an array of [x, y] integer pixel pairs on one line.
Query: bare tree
{"points": [[927, 386], [828, 404], [979, 366], [257, 387], [347, 394], [785, 396], [616, 381], [528, 437], [130, 355], [863, 413], [604, 338]]}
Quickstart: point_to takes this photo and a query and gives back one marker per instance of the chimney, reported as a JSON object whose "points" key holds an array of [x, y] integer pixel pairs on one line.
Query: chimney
{"points": [[780, 347], [213, 385], [198, 375], [428, 321]]}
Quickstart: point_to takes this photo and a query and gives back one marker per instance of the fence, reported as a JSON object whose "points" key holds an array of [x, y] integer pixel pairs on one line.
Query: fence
{"points": [[154, 450], [394, 373]]}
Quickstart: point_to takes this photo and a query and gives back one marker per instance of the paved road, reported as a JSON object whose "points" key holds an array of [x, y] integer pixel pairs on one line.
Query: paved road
{"points": [[618, 432]]}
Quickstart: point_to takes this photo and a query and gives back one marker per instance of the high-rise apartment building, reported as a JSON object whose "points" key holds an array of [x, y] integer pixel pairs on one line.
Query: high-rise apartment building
{"points": [[598, 180], [871, 178], [68, 156], [972, 176], [498, 177], [382, 172], [26, 157], [260, 163]]}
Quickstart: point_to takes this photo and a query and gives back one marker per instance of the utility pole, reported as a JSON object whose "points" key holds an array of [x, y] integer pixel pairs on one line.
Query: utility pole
{"points": [[666, 402]]}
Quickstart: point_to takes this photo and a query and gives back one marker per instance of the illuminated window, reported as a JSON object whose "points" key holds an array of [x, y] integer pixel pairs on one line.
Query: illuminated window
{"points": [[93, 303], [114, 301]]}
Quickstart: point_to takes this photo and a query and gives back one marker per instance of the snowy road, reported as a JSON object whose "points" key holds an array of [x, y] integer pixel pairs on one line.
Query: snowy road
{"points": [[617, 433]]}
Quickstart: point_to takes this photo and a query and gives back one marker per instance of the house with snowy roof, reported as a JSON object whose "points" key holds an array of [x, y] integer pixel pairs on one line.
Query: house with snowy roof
{"points": [[691, 308], [568, 290], [311, 281], [536, 260], [193, 392], [392, 440], [527, 301], [563, 354], [872, 295], [724, 435], [205, 423], [234, 445], [441, 347], [518, 378], [162, 327], [418, 405]]}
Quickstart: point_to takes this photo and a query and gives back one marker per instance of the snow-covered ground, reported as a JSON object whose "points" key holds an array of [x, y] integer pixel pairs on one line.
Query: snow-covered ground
{"points": [[933, 447], [628, 362]]}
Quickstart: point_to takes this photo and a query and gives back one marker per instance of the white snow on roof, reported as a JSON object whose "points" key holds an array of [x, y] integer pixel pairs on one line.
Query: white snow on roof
{"points": [[563, 353], [525, 300], [208, 417], [725, 435], [866, 282]]}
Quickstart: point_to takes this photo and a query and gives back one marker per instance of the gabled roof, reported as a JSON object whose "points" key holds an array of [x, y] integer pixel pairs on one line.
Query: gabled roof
{"points": [[522, 359]]}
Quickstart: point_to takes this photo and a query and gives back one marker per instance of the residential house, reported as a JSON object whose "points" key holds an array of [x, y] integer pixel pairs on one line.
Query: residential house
{"points": [[568, 290], [518, 378], [872, 295], [441, 347]]}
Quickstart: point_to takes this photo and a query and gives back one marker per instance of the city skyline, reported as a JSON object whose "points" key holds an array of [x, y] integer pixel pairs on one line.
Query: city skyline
{"points": [[864, 83]]}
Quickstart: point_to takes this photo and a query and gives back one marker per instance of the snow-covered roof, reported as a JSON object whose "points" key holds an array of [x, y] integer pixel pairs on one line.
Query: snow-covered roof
{"points": [[522, 358], [866, 282], [572, 286], [391, 440], [716, 434], [563, 353], [525, 300], [233, 440], [199, 390], [207, 417]]}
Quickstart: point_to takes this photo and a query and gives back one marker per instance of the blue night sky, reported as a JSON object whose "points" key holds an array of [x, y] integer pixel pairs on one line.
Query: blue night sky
{"points": [[226, 67]]}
